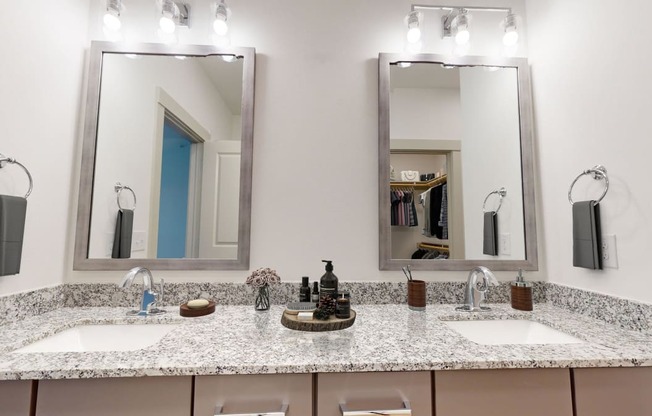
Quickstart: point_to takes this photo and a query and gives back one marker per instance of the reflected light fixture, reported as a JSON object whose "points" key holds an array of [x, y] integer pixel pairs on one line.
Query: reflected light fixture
{"points": [[413, 21], [111, 16], [222, 13], [510, 35]]}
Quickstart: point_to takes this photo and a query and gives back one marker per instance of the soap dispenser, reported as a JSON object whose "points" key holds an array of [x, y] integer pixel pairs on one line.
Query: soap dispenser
{"points": [[521, 293], [328, 282]]}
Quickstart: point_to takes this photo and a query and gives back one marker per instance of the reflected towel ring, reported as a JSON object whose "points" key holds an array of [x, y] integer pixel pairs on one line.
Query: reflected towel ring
{"points": [[598, 172], [500, 192], [119, 188], [4, 160]]}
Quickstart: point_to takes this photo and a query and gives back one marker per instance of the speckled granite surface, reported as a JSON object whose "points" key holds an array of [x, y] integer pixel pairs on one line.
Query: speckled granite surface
{"points": [[384, 338], [617, 311], [367, 293], [622, 312], [17, 307]]}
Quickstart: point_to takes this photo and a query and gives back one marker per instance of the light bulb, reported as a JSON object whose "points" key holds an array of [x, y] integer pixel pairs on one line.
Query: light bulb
{"points": [[229, 58], [404, 64], [413, 20], [460, 26], [413, 35], [510, 38], [220, 27], [166, 24], [462, 36], [111, 21]]}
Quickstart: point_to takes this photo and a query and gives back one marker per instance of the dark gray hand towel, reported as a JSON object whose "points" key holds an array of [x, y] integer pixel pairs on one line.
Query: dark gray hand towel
{"points": [[12, 229], [587, 247], [490, 234], [123, 232]]}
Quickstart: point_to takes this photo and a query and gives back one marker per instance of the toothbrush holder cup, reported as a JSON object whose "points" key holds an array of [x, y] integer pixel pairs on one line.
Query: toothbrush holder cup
{"points": [[417, 295]]}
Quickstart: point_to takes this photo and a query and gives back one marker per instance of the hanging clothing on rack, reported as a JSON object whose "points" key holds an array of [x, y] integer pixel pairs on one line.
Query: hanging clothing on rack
{"points": [[435, 203], [403, 211], [443, 214]]}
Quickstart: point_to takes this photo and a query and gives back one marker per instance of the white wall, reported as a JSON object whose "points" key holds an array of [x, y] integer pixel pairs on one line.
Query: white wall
{"points": [[491, 150], [315, 127], [592, 89], [41, 78], [425, 113]]}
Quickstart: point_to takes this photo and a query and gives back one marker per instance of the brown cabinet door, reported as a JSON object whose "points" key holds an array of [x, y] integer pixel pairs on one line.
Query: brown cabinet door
{"points": [[613, 391], [374, 392], [138, 396], [15, 398], [532, 392], [255, 394]]}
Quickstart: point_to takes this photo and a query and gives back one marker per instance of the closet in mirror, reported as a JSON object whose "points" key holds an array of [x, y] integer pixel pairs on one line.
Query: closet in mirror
{"points": [[453, 132], [166, 163]]}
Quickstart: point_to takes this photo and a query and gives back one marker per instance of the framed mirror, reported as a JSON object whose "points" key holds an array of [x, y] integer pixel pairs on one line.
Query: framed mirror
{"points": [[167, 158], [456, 180]]}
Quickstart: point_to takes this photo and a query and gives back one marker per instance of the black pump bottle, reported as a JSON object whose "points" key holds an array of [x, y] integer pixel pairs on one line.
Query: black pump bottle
{"points": [[328, 282]]}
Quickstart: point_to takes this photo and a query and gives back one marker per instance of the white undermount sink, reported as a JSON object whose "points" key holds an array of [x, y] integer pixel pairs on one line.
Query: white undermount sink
{"points": [[110, 337], [500, 332]]}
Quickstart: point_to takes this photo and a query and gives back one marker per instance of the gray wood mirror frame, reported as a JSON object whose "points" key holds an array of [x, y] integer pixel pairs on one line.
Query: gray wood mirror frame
{"points": [[464, 242], [165, 107]]}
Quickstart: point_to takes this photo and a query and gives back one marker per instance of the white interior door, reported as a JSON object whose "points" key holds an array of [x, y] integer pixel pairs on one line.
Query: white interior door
{"points": [[220, 207]]}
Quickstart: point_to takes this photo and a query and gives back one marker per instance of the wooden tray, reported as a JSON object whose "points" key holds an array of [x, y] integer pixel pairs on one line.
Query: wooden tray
{"points": [[184, 310], [315, 325]]}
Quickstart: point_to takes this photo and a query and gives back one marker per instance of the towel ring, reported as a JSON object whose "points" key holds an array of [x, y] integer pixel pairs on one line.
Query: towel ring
{"points": [[3, 162], [119, 188], [500, 192], [598, 172]]}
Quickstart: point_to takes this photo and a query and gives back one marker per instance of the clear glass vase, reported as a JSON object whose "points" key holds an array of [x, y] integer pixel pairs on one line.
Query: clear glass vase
{"points": [[262, 298]]}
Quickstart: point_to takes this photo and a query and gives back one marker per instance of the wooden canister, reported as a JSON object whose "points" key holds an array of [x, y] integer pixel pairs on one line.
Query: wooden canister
{"points": [[522, 296], [417, 295]]}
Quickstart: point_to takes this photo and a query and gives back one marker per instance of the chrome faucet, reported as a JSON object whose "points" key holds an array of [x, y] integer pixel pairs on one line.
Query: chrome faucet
{"points": [[476, 290], [150, 297]]}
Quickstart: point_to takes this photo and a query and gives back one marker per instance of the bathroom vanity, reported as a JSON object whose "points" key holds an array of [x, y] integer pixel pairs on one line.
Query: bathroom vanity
{"points": [[391, 359]]}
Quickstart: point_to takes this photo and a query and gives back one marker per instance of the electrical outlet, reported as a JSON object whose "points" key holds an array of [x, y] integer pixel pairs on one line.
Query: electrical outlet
{"points": [[505, 244], [138, 241], [609, 253]]}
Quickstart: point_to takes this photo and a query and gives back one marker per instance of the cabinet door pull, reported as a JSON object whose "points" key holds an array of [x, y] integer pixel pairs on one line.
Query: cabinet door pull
{"points": [[398, 412], [282, 412]]}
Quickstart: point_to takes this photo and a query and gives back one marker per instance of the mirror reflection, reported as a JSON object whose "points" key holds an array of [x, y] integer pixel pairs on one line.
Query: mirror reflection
{"points": [[167, 158], [169, 128], [456, 185], [455, 138]]}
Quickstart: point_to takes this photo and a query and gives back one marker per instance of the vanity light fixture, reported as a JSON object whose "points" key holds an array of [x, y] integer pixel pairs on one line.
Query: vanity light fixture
{"points": [[510, 35], [222, 14], [413, 22], [455, 23], [459, 27], [173, 14], [111, 16]]}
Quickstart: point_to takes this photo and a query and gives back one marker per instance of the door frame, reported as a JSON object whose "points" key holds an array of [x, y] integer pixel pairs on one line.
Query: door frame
{"points": [[169, 109]]}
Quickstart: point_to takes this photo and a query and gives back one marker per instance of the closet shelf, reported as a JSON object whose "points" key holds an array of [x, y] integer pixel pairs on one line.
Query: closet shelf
{"points": [[419, 184]]}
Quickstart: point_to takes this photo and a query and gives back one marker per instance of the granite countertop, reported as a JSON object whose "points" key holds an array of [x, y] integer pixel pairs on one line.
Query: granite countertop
{"points": [[238, 340]]}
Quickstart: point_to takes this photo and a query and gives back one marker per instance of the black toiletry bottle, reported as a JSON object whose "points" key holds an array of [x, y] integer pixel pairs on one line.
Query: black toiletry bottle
{"points": [[315, 292], [304, 291], [328, 282]]}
